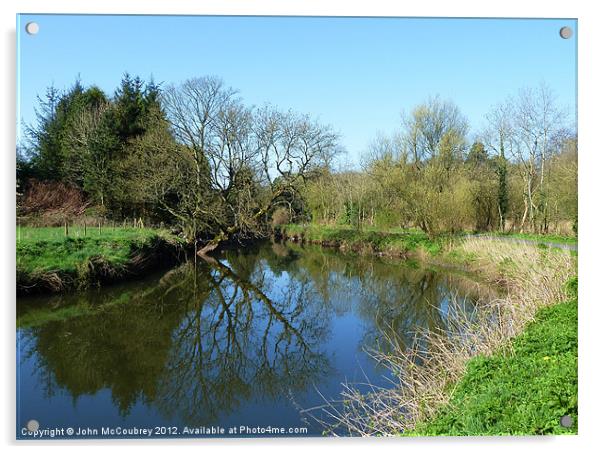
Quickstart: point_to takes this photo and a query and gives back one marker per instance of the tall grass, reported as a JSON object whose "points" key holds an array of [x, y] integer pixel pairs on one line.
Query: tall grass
{"points": [[427, 372]]}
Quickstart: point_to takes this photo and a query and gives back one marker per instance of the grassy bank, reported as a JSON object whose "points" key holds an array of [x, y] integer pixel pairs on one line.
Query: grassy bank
{"points": [[485, 373], [525, 389], [397, 243], [50, 261]]}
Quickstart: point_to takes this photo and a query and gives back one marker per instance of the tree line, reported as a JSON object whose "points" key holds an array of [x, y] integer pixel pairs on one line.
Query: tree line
{"points": [[518, 174], [194, 156]]}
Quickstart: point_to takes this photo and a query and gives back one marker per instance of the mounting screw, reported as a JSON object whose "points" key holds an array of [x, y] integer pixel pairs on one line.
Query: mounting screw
{"points": [[33, 425], [566, 32], [566, 421]]}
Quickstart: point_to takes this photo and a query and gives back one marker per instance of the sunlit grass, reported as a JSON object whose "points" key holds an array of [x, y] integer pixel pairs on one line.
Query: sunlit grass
{"points": [[27, 234], [49, 249], [49, 258], [548, 238]]}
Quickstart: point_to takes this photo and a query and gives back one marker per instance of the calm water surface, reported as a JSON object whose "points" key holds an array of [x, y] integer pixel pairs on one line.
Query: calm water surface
{"points": [[250, 340]]}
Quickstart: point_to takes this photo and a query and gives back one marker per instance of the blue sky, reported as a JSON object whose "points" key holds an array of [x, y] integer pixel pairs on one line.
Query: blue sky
{"points": [[357, 74]]}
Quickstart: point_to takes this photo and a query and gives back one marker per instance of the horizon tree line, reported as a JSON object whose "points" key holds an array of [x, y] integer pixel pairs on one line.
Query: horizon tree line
{"points": [[194, 156]]}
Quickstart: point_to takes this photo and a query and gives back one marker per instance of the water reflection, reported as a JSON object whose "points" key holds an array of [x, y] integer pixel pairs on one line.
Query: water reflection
{"points": [[254, 333]]}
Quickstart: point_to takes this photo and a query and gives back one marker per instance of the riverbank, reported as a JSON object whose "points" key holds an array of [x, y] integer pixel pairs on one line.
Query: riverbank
{"points": [[50, 261], [455, 386], [403, 243], [526, 390], [395, 243]]}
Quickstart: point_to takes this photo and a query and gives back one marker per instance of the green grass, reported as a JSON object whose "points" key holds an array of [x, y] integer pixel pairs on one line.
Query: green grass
{"points": [[548, 238], [394, 241], [27, 234], [525, 391], [46, 250]]}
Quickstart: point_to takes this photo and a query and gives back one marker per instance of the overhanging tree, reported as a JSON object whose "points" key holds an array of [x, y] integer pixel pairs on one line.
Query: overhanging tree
{"points": [[238, 154]]}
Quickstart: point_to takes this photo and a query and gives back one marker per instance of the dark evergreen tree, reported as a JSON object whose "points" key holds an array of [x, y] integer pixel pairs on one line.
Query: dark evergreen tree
{"points": [[43, 137]]}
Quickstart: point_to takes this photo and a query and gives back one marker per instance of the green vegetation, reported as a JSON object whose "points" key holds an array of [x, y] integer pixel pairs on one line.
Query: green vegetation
{"points": [[520, 176], [525, 389], [49, 260], [395, 241], [34, 234], [191, 155], [392, 242]]}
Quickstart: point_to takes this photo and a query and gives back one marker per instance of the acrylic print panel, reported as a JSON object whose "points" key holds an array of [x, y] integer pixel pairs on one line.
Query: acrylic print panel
{"points": [[295, 226]]}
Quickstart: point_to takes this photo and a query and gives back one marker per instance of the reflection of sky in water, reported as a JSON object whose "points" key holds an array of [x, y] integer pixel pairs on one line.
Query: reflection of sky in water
{"points": [[249, 342]]}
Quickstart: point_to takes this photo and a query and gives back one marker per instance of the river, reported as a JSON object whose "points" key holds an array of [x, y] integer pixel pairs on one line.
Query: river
{"points": [[248, 342]]}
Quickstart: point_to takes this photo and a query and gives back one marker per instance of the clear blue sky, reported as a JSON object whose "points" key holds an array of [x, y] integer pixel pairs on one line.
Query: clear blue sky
{"points": [[357, 74]]}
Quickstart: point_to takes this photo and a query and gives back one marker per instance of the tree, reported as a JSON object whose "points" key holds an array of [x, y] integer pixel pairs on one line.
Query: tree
{"points": [[434, 139], [498, 137], [259, 154], [561, 180], [535, 121], [432, 124], [195, 110], [44, 136], [481, 172], [162, 173]]}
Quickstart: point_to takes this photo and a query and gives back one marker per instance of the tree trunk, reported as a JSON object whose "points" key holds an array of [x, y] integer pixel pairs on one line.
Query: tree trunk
{"points": [[524, 219]]}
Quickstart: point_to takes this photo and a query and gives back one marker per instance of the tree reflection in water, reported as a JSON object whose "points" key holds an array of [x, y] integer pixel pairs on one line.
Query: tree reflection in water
{"points": [[236, 343]]}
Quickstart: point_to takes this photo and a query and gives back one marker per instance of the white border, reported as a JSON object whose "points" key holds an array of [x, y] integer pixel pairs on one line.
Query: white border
{"points": [[589, 203]]}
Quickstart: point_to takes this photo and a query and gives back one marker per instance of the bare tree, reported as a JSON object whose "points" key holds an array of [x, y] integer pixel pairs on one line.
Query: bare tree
{"points": [[193, 109], [428, 126], [535, 118], [497, 138], [247, 158]]}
